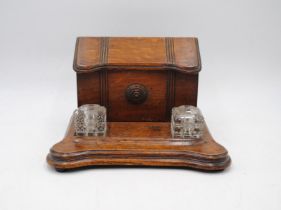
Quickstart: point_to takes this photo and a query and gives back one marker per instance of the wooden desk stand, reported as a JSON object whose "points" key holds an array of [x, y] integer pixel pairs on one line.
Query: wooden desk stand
{"points": [[137, 144], [138, 80]]}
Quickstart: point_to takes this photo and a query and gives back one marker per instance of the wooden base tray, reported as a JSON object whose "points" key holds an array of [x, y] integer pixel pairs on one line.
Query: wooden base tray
{"points": [[137, 144]]}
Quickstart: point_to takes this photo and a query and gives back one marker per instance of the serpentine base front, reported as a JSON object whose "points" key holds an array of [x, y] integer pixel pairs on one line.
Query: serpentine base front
{"points": [[137, 144]]}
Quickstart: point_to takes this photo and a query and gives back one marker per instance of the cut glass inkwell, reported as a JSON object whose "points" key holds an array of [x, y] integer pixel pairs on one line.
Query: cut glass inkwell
{"points": [[187, 122], [90, 120]]}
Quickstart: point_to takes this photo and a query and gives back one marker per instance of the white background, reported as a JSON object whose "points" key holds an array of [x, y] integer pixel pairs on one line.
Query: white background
{"points": [[239, 95]]}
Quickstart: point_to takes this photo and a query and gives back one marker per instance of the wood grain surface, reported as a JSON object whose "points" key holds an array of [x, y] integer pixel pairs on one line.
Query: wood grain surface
{"points": [[139, 80], [138, 144], [94, 53], [166, 67]]}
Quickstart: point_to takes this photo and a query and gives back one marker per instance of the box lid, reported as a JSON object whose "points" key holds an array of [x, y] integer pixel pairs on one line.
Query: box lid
{"points": [[157, 53]]}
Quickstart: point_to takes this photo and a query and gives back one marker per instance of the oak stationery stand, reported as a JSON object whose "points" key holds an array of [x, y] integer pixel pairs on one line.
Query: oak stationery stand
{"points": [[138, 80]]}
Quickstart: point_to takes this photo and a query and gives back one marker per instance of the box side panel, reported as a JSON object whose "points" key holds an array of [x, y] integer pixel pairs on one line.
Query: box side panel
{"points": [[186, 89], [89, 88]]}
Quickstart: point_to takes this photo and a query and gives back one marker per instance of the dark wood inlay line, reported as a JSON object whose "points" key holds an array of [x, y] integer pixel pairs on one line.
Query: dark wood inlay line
{"points": [[170, 59], [103, 88], [170, 52], [104, 42], [170, 102], [104, 50]]}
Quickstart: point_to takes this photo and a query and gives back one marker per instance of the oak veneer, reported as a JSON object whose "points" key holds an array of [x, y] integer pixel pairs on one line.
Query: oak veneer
{"points": [[137, 144], [167, 67], [139, 80]]}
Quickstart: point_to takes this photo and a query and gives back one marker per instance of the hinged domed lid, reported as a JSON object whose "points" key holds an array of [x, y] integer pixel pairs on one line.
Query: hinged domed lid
{"points": [[154, 53]]}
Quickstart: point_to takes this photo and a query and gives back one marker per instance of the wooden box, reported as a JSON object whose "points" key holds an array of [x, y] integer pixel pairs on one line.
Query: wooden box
{"points": [[137, 79]]}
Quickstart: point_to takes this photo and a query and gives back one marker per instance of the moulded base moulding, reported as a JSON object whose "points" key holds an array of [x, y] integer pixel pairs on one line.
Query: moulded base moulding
{"points": [[137, 144]]}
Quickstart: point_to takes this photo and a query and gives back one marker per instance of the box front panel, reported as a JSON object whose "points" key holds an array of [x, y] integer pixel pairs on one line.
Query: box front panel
{"points": [[137, 95]]}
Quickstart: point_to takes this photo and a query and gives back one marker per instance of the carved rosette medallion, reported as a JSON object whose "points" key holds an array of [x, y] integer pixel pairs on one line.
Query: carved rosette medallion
{"points": [[136, 93]]}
